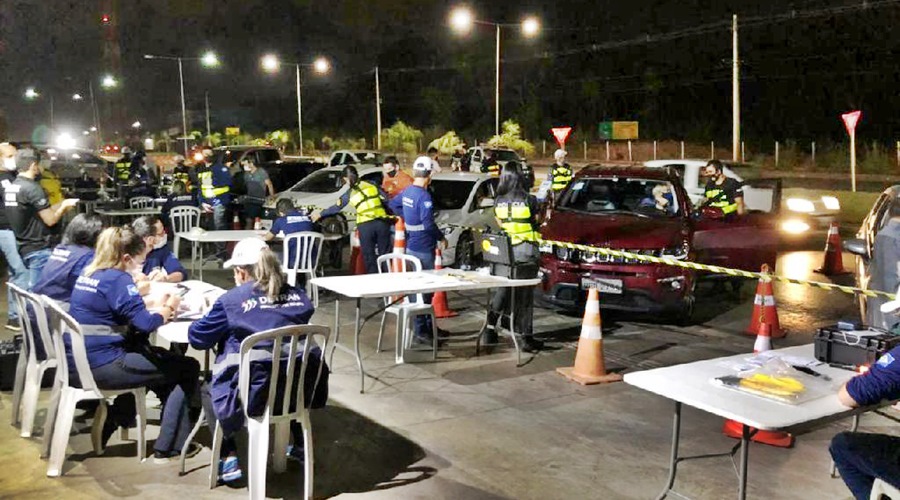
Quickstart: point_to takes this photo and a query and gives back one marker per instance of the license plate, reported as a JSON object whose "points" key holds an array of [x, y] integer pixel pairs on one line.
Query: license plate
{"points": [[603, 285]]}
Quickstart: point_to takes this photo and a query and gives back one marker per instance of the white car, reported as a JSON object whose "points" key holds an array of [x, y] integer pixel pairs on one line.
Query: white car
{"points": [[463, 199], [356, 157], [799, 214]]}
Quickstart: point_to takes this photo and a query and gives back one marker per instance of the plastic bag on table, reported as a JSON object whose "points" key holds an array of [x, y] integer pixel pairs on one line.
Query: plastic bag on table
{"points": [[778, 381]]}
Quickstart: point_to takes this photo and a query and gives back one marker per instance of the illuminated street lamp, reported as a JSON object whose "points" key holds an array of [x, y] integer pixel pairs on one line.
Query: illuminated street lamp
{"points": [[109, 82], [136, 125], [271, 64], [77, 97], [31, 94], [462, 20], [209, 60]]}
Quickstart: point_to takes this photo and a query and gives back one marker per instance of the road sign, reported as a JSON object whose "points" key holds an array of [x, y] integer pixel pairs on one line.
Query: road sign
{"points": [[618, 130], [850, 120], [561, 134], [232, 130]]}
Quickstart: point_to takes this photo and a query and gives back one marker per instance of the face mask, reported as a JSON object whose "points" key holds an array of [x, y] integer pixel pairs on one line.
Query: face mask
{"points": [[162, 242], [9, 164], [246, 168], [668, 197]]}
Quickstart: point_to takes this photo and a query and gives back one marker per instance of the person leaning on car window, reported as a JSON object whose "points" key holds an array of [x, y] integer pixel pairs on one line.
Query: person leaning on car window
{"points": [[723, 192], [863, 457]]}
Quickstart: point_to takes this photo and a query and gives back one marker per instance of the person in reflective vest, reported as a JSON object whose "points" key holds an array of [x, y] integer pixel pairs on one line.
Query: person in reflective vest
{"points": [[515, 211], [423, 235], [372, 218], [215, 197], [123, 167], [490, 165], [181, 172], [561, 172], [117, 324], [723, 192], [262, 300]]}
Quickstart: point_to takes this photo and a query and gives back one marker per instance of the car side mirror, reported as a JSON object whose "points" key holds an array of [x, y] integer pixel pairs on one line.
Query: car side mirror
{"points": [[486, 203], [856, 246]]}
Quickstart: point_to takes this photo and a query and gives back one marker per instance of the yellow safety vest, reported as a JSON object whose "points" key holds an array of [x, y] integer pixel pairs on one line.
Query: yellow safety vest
{"points": [[367, 202], [515, 220], [182, 176], [207, 189], [719, 199], [560, 177], [123, 170]]}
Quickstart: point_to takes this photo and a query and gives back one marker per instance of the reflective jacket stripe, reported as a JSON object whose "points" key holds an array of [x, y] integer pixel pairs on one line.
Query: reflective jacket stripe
{"points": [[367, 202], [515, 220]]}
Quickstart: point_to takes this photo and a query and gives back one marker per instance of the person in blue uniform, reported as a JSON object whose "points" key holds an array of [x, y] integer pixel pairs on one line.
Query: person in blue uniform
{"points": [[372, 218], [414, 204], [290, 220], [215, 193], [179, 197], [117, 325], [161, 263], [863, 457], [261, 300]]}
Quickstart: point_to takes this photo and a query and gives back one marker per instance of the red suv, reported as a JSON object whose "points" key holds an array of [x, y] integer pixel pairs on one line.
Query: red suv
{"points": [[644, 211]]}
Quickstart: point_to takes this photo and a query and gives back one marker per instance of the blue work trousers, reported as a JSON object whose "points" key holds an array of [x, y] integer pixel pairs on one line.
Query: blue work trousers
{"points": [[423, 327], [35, 262], [862, 457], [374, 241]]}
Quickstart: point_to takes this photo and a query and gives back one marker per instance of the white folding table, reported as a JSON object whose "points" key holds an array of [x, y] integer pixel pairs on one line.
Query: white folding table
{"points": [[200, 237], [379, 286], [112, 214], [691, 384]]}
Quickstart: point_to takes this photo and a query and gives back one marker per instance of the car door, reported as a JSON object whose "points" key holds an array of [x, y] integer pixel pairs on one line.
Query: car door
{"points": [[743, 242]]}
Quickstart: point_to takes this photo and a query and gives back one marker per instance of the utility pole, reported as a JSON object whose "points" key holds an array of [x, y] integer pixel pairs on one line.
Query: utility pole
{"points": [[735, 92], [207, 116], [497, 88], [378, 107]]}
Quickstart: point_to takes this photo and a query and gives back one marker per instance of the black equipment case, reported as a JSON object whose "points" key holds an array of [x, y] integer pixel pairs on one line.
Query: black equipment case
{"points": [[852, 347]]}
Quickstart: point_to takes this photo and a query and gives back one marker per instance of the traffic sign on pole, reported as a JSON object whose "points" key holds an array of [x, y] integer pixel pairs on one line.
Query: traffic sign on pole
{"points": [[850, 121], [561, 134]]}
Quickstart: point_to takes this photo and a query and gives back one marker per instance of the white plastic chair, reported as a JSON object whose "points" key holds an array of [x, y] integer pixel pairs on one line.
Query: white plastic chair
{"points": [[30, 370], [882, 488], [183, 220], [63, 413], [406, 310], [306, 259], [141, 202], [258, 426]]}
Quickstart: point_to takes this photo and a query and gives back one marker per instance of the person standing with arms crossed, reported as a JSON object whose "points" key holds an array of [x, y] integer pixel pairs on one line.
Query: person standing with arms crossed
{"points": [[423, 235], [18, 273], [372, 219], [560, 173]]}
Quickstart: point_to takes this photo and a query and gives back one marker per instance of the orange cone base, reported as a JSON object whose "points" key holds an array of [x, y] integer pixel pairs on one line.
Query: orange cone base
{"points": [[569, 373], [445, 314], [734, 429], [828, 272]]}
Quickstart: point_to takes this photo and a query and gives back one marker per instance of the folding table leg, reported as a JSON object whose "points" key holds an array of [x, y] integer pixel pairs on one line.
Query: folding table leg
{"points": [[362, 373], [201, 419], [673, 461], [337, 330], [512, 325], [745, 451]]}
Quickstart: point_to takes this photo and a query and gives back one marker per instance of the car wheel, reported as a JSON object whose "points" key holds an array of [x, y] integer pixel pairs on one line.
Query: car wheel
{"points": [[333, 250], [466, 257], [685, 313]]}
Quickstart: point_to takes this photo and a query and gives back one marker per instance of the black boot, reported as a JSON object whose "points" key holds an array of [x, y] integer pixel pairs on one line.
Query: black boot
{"points": [[532, 344]]}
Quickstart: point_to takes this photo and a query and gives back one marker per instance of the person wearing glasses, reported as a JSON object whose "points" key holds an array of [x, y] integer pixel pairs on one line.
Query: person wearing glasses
{"points": [[723, 192], [117, 324]]}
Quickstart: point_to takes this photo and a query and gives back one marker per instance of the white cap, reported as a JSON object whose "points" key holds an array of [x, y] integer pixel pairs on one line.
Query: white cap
{"points": [[560, 153], [246, 252], [126, 150], [423, 163], [178, 158]]}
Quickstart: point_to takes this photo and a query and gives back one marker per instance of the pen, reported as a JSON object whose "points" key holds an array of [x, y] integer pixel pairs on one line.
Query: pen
{"points": [[810, 371]]}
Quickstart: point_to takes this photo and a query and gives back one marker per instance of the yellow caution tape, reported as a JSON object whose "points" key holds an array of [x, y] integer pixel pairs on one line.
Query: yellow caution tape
{"points": [[668, 261]]}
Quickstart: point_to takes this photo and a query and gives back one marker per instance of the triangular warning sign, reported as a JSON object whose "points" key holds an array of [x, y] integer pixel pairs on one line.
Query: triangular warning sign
{"points": [[850, 120], [561, 134]]}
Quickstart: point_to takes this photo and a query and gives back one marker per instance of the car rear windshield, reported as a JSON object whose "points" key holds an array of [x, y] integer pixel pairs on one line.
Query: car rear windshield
{"points": [[450, 195], [620, 194], [323, 181], [505, 155]]}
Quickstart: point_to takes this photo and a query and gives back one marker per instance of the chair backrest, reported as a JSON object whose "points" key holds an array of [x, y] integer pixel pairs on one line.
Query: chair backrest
{"points": [[308, 246], [402, 263], [141, 202], [184, 218], [290, 340], [60, 323], [31, 306]]}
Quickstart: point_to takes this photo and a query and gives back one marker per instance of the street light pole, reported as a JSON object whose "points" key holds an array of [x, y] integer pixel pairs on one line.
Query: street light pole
{"points": [[735, 93], [378, 107], [208, 132], [299, 112], [95, 113], [497, 88], [183, 107]]}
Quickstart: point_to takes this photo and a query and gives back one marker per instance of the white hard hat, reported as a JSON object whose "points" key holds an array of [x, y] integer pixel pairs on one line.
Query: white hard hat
{"points": [[178, 158], [246, 252], [560, 153], [423, 164], [126, 150]]}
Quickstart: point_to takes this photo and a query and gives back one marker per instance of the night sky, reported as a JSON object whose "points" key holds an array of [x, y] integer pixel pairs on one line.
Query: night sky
{"points": [[665, 63]]}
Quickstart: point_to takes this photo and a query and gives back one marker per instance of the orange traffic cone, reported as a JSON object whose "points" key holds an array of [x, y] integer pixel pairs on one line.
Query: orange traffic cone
{"points": [[357, 264], [833, 259], [734, 429], [439, 301], [590, 367], [257, 224], [764, 308], [399, 242], [763, 339]]}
